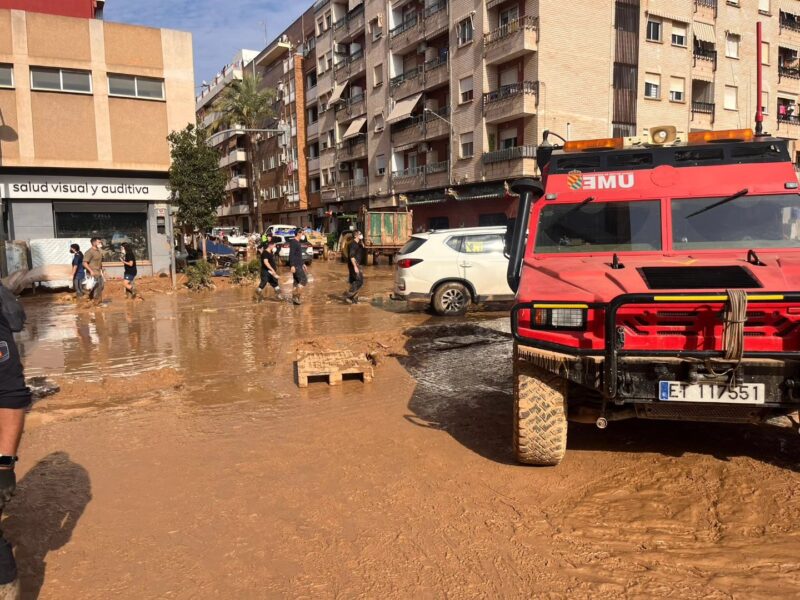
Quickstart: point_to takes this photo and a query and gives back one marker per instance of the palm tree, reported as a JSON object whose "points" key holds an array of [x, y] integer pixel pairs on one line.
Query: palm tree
{"points": [[245, 103]]}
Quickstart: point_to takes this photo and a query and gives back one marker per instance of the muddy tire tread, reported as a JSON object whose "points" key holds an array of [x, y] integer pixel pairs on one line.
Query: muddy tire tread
{"points": [[540, 415]]}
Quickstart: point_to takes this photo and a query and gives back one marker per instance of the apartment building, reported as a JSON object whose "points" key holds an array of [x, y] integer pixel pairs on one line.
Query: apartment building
{"points": [[87, 9], [436, 106], [85, 109], [237, 209]]}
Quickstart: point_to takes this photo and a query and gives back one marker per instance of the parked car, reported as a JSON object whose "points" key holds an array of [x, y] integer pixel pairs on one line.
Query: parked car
{"points": [[453, 268], [283, 250]]}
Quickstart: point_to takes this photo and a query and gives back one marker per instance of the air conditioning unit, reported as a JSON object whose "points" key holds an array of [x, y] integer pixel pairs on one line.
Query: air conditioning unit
{"points": [[284, 39], [284, 190], [424, 147], [421, 48], [341, 49], [344, 167], [382, 171]]}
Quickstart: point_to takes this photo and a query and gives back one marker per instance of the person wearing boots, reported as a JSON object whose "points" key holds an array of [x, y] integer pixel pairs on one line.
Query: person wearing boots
{"points": [[129, 275], [298, 266], [269, 271], [356, 275]]}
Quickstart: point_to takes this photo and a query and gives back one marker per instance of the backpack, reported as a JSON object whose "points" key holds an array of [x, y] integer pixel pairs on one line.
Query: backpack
{"points": [[12, 310]]}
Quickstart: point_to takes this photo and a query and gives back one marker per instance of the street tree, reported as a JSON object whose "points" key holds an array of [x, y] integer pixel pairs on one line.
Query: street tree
{"points": [[197, 186], [247, 104]]}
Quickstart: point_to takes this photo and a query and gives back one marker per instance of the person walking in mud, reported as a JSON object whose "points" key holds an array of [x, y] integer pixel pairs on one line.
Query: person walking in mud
{"points": [[15, 399], [356, 275], [269, 272], [78, 270], [93, 262], [130, 271], [298, 266]]}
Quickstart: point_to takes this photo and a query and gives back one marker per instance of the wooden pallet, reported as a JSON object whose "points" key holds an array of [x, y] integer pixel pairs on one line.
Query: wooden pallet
{"points": [[332, 366]]}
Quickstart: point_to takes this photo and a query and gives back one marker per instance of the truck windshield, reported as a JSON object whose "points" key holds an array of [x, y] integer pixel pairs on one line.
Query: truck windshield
{"points": [[599, 227], [746, 222]]}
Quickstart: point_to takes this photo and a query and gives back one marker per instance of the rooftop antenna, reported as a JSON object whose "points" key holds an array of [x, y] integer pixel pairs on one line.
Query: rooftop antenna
{"points": [[759, 83]]}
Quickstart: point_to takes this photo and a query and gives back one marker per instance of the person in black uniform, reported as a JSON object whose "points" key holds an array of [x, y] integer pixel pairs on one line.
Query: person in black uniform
{"points": [[269, 271], [298, 266], [15, 398], [356, 257]]}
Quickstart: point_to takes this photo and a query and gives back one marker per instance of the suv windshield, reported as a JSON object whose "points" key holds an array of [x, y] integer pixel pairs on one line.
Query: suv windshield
{"points": [[746, 222], [600, 227]]}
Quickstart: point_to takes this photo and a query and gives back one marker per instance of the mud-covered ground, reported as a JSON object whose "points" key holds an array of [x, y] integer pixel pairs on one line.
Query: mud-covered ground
{"points": [[180, 460]]}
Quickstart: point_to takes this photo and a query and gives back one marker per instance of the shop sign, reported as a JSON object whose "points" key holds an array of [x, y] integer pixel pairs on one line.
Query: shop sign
{"points": [[47, 187]]}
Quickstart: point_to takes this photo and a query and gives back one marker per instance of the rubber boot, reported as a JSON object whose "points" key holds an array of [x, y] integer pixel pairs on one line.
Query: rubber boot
{"points": [[259, 295], [9, 582], [296, 297], [278, 294]]}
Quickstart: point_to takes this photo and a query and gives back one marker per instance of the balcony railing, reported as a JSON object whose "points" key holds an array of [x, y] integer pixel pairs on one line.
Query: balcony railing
{"points": [[353, 183], [523, 23], [790, 72], [355, 13], [407, 76], [437, 167], [435, 8], [340, 23], [407, 124], [789, 21], [408, 173], [706, 3], [435, 63], [703, 107], [409, 23], [704, 54], [507, 154], [509, 91], [442, 112], [787, 118]]}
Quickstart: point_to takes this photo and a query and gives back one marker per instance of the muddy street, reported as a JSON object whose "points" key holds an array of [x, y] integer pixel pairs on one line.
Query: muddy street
{"points": [[181, 460]]}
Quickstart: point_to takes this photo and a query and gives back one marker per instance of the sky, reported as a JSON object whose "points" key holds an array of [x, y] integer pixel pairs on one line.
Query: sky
{"points": [[219, 29]]}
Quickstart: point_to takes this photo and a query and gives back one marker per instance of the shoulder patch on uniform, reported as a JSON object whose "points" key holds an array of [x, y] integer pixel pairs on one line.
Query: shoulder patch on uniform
{"points": [[5, 352]]}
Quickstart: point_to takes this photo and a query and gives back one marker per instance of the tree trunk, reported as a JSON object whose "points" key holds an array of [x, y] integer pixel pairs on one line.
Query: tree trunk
{"points": [[205, 250]]}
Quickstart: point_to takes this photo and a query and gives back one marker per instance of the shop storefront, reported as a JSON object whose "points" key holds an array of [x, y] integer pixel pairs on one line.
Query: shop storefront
{"points": [[116, 208]]}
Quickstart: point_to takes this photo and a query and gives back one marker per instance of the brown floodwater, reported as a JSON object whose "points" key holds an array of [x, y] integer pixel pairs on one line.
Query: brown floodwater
{"points": [[180, 461]]}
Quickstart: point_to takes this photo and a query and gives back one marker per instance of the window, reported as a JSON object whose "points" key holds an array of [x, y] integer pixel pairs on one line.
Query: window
{"points": [[764, 53], [328, 20], [492, 220], [6, 76], [314, 185], [329, 60], [508, 15], [271, 162], [679, 34], [654, 30], [313, 115], [380, 164], [764, 102], [321, 65], [731, 97], [467, 149], [112, 224], [483, 244], [465, 32], [61, 80], [465, 88], [320, 26], [376, 27], [763, 6], [135, 87], [732, 45], [677, 89], [377, 75], [652, 86], [378, 122], [311, 79], [599, 227], [439, 223], [508, 138], [313, 150]]}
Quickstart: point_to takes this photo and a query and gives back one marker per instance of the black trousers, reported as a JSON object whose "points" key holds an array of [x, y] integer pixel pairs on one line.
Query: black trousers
{"points": [[13, 391], [356, 283]]}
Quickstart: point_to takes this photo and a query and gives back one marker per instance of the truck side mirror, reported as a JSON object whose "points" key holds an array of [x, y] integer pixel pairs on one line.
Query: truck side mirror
{"points": [[529, 191]]}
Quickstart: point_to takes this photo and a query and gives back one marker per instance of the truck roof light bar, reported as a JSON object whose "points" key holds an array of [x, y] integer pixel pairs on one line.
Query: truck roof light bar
{"points": [[727, 135], [598, 144]]}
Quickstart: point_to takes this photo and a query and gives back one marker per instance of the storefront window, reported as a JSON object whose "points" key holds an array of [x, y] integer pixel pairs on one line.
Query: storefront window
{"points": [[113, 228]]}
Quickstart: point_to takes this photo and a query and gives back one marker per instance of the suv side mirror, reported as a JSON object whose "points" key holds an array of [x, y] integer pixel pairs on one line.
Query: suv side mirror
{"points": [[529, 191]]}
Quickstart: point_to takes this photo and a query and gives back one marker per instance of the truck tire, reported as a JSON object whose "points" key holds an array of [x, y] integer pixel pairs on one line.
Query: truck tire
{"points": [[451, 299], [540, 415]]}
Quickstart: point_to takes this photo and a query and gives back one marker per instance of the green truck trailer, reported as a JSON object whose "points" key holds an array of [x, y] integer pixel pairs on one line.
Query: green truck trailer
{"points": [[385, 233]]}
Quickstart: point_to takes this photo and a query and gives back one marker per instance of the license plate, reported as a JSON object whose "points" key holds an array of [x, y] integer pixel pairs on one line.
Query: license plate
{"points": [[679, 391]]}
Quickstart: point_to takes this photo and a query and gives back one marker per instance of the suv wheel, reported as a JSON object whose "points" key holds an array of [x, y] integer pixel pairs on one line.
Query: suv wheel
{"points": [[451, 299], [540, 415]]}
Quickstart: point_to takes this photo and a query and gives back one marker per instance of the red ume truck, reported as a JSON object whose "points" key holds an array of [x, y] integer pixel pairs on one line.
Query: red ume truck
{"points": [[655, 279]]}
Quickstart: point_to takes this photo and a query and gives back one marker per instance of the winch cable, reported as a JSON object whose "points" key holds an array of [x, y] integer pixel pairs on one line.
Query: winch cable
{"points": [[735, 317]]}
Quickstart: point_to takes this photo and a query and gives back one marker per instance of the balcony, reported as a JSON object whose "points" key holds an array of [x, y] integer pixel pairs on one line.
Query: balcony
{"points": [[341, 71], [236, 156], [311, 95], [511, 41], [510, 102], [789, 72], [406, 34], [408, 83], [789, 22], [313, 164], [436, 71], [789, 119], [357, 63], [437, 174], [236, 209], [435, 18], [435, 127], [353, 189], [352, 149], [237, 182], [706, 108], [705, 60], [312, 130], [407, 132], [349, 26], [352, 107], [408, 179], [518, 161]]}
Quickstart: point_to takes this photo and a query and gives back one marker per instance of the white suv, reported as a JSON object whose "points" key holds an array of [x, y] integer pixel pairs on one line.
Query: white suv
{"points": [[453, 268]]}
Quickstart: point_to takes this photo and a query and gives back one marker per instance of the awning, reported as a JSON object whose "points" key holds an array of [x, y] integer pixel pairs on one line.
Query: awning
{"points": [[704, 32], [663, 14], [482, 192], [336, 95], [355, 128], [402, 110], [790, 6], [436, 197]]}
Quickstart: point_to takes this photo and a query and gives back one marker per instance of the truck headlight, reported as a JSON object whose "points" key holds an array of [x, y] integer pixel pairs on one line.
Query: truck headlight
{"points": [[559, 318]]}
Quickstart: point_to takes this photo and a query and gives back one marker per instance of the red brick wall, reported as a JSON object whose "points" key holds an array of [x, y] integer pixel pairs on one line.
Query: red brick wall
{"points": [[66, 8]]}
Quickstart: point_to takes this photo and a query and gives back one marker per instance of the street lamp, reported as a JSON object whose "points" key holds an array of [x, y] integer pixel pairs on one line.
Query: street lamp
{"points": [[452, 138]]}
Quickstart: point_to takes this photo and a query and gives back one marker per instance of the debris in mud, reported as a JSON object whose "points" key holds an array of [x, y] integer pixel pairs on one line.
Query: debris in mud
{"points": [[332, 367], [41, 387]]}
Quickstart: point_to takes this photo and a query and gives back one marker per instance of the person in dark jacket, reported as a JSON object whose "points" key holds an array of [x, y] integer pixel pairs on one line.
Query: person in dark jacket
{"points": [[78, 270], [269, 271], [356, 275], [15, 399], [130, 272], [298, 266]]}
